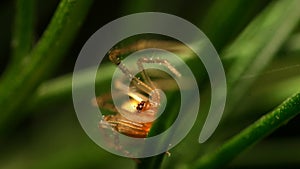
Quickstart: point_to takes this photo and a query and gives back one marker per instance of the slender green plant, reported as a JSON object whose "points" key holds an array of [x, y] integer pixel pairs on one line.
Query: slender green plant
{"points": [[24, 82], [21, 78], [22, 39], [253, 50], [251, 135]]}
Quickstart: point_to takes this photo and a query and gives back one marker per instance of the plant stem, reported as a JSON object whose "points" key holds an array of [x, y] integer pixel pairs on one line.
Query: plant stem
{"points": [[252, 134], [213, 21], [20, 80], [23, 29], [257, 45], [161, 124], [60, 89]]}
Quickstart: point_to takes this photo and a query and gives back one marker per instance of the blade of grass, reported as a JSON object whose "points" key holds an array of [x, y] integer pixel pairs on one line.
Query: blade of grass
{"points": [[20, 80], [150, 162], [161, 124], [271, 95], [221, 28], [23, 29], [257, 45], [293, 45], [252, 134], [60, 89]]}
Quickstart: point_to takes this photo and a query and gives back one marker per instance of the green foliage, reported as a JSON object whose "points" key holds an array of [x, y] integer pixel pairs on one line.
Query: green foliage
{"points": [[258, 47], [44, 57]]}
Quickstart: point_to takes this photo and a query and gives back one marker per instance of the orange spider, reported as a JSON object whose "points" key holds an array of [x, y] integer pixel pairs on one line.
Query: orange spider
{"points": [[145, 99]]}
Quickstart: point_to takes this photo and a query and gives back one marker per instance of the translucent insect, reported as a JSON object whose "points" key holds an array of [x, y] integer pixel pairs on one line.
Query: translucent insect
{"points": [[144, 98]]}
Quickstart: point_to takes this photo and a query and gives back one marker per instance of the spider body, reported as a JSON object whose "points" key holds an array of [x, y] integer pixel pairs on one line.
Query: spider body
{"points": [[128, 127], [142, 108]]}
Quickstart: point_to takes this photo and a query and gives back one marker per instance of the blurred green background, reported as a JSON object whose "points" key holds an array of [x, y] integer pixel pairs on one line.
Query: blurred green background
{"points": [[259, 38]]}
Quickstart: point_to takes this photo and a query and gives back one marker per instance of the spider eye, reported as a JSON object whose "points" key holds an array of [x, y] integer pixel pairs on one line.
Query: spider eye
{"points": [[140, 106]]}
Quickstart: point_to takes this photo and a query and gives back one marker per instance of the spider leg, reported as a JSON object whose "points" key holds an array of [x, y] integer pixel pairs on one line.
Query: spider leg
{"points": [[114, 57], [102, 102], [172, 46], [164, 62], [144, 73], [143, 44], [103, 124], [135, 95]]}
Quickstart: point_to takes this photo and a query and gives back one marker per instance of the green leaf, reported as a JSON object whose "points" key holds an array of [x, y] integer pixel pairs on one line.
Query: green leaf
{"points": [[21, 79], [224, 20], [257, 45], [22, 39], [252, 134]]}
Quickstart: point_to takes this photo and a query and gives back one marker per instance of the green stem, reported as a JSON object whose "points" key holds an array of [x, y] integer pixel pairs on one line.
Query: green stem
{"points": [[257, 45], [20, 80], [252, 134], [160, 125], [60, 89], [293, 44], [150, 162], [23, 29], [222, 28]]}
